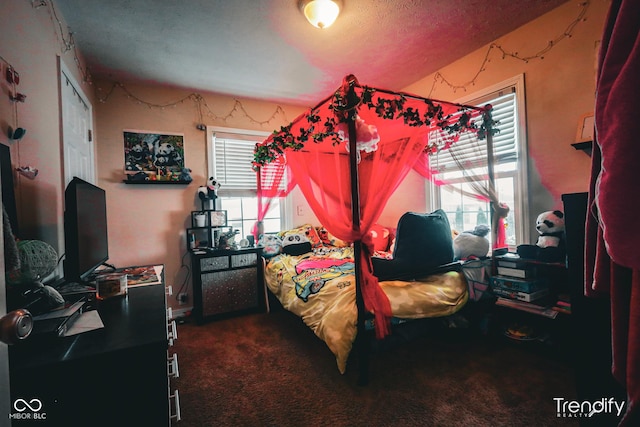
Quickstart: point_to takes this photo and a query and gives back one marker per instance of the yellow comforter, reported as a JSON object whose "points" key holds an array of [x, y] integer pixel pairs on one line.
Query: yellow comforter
{"points": [[320, 288]]}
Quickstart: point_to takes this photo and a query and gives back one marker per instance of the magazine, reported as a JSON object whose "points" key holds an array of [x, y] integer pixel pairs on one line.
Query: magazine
{"points": [[145, 275]]}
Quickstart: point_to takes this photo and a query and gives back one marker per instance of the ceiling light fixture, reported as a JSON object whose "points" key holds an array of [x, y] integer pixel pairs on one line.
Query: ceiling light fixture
{"points": [[320, 13]]}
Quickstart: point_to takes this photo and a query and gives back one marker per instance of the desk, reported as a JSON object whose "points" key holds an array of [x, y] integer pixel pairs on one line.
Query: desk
{"points": [[116, 375]]}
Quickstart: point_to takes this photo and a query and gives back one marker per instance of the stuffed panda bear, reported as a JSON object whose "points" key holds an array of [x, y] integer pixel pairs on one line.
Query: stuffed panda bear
{"points": [[550, 226], [209, 191], [550, 246], [296, 244]]}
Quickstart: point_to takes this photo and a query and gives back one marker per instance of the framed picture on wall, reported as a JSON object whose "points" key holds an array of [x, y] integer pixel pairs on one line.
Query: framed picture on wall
{"points": [[218, 218], [153, 153], [586, 126]]}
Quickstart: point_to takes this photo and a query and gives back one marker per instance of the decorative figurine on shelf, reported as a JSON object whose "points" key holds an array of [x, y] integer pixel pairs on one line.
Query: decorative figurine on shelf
{"points": [[140, 176], [209, 191], [185, 175], [227, 240]]}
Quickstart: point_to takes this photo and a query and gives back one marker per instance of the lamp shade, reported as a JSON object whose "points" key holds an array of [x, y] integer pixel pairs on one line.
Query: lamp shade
{"points": [[321, 13]]}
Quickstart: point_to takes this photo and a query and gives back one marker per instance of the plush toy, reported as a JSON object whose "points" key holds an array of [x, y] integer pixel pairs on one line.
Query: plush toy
{"points": [[271, 245], [550, 246], [550, 226], [185, 175], [472, 243], [209, 191], [140, 176], [296, 244]]}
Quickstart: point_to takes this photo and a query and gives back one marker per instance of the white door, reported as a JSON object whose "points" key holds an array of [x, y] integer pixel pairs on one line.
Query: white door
{"points": [[76, 130]]}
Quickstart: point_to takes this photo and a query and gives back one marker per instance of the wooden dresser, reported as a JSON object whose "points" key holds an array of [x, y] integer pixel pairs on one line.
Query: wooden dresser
{"points": [[116, 375]]}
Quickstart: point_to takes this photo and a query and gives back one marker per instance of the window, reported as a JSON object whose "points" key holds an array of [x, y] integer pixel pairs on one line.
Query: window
{"points": [[230, 155], [456, 198]]}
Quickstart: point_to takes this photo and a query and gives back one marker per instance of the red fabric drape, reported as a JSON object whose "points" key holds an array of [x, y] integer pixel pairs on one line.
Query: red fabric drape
{"points": [[423, 167], [322, 173], [612, 263], [392, 131], [274, 181]]}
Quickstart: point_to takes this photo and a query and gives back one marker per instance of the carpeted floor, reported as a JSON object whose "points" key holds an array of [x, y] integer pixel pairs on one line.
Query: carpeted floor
{"points": [[271, 370]]}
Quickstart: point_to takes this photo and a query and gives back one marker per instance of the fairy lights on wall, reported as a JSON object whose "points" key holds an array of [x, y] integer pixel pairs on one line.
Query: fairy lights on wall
{"points": [[65, 37], [201, 106], [439, 78]]}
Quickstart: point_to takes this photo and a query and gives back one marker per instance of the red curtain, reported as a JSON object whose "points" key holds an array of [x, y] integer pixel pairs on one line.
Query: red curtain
{"points": [[481, 191], [392, 131], [612, 264], [274, 181], [322, 174]]}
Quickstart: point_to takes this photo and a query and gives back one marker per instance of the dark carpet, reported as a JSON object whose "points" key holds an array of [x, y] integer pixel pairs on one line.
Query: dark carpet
{"points": [[271, 370]]}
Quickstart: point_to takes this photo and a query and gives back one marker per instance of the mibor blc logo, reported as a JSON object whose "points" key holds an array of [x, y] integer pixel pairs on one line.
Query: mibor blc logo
{"points": [[28, 410]]}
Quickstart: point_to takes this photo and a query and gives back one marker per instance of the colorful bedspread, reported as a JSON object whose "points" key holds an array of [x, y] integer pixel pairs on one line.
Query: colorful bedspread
{"points": [[319, 287]]}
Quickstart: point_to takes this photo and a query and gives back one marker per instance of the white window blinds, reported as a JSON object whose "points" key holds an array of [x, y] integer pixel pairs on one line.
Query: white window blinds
{"points": [[232, 162], [505, 144]]}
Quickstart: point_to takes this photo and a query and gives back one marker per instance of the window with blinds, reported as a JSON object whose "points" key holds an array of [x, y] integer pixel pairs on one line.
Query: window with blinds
{"points": [[472, 152], [456, 197], [232, 162]]}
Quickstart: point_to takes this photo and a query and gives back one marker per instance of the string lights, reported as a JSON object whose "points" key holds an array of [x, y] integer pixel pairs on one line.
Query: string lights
{"points": [[67, 41], [68, 44], [439, 78], [201, 105]]}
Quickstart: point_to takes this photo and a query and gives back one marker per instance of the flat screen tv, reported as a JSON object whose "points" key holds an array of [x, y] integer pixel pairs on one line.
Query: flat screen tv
{"points": [[85, 230]]}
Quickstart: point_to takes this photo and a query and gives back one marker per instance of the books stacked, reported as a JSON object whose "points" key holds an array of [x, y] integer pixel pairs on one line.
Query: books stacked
{"points": [[518, 285], [563, 304], [528, 307], [517, 280]]}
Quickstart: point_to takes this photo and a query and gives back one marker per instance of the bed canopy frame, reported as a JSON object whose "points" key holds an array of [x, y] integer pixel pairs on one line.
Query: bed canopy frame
{"points": [[349, 153]]}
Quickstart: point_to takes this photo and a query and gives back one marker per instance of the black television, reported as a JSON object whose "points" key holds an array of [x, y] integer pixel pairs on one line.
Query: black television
{"points": [[85, 230]]}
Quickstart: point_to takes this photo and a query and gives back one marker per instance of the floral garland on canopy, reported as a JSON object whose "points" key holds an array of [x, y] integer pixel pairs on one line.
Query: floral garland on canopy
{"points": [[393, 107]]}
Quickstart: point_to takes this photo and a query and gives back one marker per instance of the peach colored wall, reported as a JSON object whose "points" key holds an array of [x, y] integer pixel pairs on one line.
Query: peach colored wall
{"points": [[147, 222], [559, 90], [31, 43]]}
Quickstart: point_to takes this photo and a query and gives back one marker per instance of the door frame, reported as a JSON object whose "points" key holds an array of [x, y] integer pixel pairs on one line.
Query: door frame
{"points": [[65, 74]]}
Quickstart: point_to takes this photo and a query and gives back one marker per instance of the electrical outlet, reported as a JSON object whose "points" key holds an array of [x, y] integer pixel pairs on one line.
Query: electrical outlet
{"points": [[182, 298]]}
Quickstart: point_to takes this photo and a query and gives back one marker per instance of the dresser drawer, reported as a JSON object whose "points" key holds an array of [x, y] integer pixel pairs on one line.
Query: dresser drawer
{"points": [[214, 263], [243, 260]]}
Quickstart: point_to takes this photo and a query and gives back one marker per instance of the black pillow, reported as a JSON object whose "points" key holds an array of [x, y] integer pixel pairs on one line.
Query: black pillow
{"points": [[423, 242], [297, 248]]}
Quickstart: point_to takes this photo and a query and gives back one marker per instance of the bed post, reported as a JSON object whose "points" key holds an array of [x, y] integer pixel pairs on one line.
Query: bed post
{"points": [[487, 121], [362, 343]]}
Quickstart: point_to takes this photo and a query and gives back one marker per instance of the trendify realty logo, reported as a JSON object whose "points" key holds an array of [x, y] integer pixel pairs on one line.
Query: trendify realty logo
{"points": [[586, 409], [27, 410]]}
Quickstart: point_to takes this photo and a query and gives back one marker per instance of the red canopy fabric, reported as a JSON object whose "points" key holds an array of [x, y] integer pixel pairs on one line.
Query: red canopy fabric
{"points": [[392, 132], [274, 181]]}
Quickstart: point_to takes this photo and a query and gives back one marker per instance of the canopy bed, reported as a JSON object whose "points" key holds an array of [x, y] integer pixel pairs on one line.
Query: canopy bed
{"points": [[348, 155]]}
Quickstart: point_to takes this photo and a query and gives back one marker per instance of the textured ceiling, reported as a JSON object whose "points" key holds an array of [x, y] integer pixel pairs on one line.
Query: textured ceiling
{"points": [[266, 50]]}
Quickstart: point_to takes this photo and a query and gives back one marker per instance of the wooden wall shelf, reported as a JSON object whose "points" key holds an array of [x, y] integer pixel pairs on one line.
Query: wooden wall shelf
{"points": [[585, 146], [150, 182]]}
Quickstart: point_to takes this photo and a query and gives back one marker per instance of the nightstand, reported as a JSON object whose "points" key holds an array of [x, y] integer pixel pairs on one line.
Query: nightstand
{"points": [[227, 282]]}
